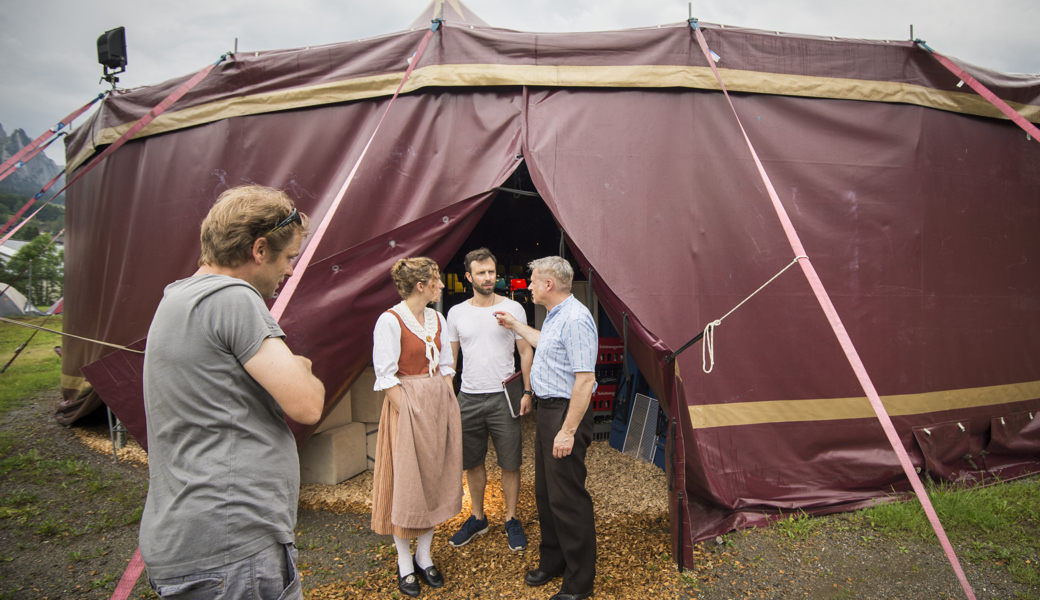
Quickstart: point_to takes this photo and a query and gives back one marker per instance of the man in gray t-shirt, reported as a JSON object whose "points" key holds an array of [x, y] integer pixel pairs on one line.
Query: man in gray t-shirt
{"points": [[218, 382]]}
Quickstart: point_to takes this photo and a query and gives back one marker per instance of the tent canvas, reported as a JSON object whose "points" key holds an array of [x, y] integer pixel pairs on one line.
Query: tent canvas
{"points": [[14, 304], [916, 201]]}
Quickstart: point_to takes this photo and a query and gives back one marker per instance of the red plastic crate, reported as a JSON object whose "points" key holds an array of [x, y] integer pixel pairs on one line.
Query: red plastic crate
{"points": [[603, 398]]}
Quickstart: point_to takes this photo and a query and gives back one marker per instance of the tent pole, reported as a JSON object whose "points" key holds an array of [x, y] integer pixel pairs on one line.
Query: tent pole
{"points": [[682, 542]]}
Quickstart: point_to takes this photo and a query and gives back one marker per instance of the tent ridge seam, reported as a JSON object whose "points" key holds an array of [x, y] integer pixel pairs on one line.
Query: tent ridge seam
{"points": [[632, 76]]}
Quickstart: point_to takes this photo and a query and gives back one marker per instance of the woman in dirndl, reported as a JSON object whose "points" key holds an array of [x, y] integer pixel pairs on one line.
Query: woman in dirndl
{"points": [[418, 464]]}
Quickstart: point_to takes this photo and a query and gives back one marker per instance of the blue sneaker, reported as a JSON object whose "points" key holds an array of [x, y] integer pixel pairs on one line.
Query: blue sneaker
{"points": [[515, 533], [470, 529]]}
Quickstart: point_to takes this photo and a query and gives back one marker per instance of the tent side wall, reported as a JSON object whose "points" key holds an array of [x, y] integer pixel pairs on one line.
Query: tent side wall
{"points": [[920, 223], [133, 222]]}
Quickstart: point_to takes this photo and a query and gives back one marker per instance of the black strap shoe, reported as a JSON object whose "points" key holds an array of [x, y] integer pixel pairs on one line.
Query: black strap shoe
{"points": [[409, 584], [539, 577], [430, 575]]}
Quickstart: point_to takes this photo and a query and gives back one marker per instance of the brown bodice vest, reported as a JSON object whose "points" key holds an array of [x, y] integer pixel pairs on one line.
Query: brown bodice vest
{"points": [[413, 351]]}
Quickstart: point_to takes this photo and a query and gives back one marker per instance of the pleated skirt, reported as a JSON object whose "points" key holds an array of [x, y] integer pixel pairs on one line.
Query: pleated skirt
{"points": [[417, 478]]}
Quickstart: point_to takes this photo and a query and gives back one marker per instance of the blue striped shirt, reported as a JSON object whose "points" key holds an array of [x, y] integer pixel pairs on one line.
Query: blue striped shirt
{"points": [[568, 344]]}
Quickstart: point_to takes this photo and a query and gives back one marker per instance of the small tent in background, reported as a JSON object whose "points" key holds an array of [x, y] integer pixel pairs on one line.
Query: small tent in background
{"points": [[915, 199], [57, 308], [14, 304]]}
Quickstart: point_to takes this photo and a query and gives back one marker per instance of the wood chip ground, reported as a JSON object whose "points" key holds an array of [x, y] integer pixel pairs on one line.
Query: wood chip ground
{"points": [[632, 532]]}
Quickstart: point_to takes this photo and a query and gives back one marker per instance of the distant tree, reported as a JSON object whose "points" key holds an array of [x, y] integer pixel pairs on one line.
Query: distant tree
{"points": [[51, 219], [11, 202], [46, 275], [28, 232]]}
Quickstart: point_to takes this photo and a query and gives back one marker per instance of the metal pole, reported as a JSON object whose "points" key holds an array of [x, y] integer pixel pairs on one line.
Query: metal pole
{"points": [[28, 301]]}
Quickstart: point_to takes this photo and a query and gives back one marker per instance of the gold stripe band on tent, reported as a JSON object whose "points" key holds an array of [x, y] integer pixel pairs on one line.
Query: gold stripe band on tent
{"points": [[485, 75], [832, 409]]}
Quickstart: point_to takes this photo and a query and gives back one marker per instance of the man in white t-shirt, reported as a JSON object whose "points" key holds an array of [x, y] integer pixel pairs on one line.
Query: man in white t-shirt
{"points": [[488, 351]]}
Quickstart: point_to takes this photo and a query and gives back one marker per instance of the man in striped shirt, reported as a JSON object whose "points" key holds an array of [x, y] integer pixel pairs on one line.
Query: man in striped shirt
{"points": [[563, 377]]}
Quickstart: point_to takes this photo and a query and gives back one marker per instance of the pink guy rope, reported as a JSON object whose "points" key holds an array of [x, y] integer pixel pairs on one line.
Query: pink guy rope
{"points": [[29, 156], [312, 246], [18, 156], [984, 92], [130, 577], [843, 337], [138, 126], [26, 206]]}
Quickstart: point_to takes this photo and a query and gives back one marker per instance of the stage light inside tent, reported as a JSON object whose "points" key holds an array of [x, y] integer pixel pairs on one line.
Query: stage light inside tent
{"points": [[111, 50]]}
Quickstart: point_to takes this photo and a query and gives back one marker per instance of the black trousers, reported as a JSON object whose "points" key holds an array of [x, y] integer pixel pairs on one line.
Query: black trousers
{"points": [[564, 505]]}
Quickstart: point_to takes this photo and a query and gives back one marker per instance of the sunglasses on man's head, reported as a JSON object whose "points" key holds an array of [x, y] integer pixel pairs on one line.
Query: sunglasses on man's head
{"points": [[294, 217]]}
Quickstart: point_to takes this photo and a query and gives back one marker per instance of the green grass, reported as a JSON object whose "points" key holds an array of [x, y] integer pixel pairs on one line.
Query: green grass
{"points": [[797, 526], [998, 523], [36, 369], [27, 473]]}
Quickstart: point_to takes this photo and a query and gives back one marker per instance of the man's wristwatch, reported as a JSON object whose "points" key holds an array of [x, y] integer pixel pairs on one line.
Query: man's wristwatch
{"points": [[528, 393]]}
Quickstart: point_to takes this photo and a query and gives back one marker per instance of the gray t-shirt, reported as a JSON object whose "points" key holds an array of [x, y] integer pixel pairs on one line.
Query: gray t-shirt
{"points": [[224, 472]]}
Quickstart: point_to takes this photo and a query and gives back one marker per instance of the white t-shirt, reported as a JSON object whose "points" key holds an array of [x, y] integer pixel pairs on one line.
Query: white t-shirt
{"points": [[487, 346]]}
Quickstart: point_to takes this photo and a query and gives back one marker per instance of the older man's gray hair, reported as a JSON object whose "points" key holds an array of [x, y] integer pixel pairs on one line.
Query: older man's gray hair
{"points": [[555, 268]]}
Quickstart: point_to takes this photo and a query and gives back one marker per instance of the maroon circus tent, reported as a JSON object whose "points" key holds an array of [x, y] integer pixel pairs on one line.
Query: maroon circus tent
{"points": [[916, 200]]}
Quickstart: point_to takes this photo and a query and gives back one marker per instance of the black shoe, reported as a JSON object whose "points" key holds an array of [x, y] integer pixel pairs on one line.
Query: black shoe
{"points": [[430, 576], [562, 596], [539, 577], [409, 584]]}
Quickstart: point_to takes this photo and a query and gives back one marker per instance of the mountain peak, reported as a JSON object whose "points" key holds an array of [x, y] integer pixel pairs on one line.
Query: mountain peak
{"points": [[28, 179], [19, 137]]}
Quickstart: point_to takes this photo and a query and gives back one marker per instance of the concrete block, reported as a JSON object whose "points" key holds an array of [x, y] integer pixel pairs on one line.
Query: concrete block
{"points": [[334, 455], [340, 416], [366, 403], [372, 433]]}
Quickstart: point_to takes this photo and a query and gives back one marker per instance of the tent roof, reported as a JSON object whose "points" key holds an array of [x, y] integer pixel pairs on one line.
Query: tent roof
{"points": [[12, 303], [460, 55]]}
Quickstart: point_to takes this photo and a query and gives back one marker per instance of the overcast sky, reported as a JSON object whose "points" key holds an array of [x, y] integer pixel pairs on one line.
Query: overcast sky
{"points": [[48, 55]]}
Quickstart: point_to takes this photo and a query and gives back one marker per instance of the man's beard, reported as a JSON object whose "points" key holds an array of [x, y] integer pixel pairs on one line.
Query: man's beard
{"points": [[483, 292]]}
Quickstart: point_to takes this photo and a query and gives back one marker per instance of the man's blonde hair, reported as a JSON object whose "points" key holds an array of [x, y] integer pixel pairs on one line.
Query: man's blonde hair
{"points": [[555, 268], [243, 215], [409, 271]]}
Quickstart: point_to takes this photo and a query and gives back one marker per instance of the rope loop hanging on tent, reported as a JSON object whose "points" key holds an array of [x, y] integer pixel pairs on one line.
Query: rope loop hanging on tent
{"points": [[842, 335], [709, 346], [718, 321], [709, 329]]}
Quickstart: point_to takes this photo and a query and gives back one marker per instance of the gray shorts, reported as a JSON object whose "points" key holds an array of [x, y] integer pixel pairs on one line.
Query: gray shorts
{"points": [[484, 414]]}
